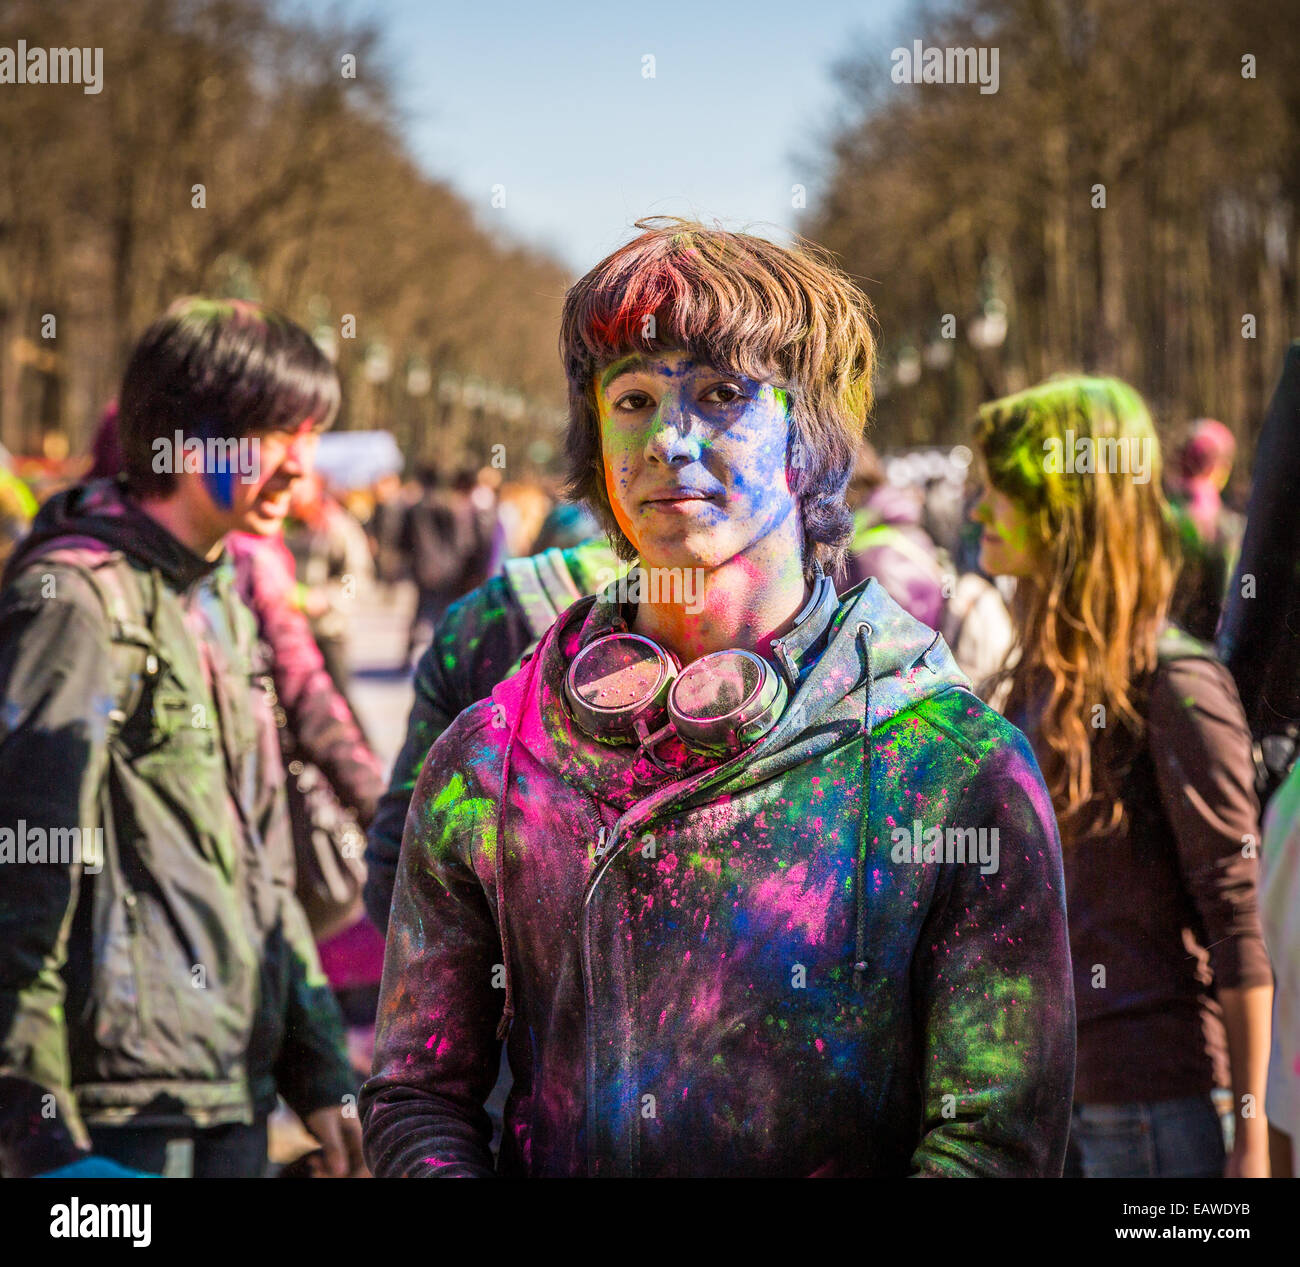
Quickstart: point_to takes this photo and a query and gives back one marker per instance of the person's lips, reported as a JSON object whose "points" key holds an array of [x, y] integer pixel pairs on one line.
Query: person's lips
{"points": [[273, 498], [670, 497]]}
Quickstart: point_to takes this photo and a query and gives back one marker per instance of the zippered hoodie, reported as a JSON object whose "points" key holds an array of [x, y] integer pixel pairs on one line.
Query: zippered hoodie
{"points": [[741, 968], [177, 985]]}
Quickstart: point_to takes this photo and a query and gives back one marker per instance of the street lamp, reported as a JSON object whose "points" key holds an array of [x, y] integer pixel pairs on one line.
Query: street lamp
{"points": [[989, 329], [907, 372], [419, 378]]}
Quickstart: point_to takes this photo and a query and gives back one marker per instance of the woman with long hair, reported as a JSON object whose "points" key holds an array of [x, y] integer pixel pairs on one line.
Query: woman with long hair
{"points": [[1142, 742]]}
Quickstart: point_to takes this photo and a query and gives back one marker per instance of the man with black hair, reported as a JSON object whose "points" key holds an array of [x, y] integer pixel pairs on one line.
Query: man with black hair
{"points": [[158, 981]]}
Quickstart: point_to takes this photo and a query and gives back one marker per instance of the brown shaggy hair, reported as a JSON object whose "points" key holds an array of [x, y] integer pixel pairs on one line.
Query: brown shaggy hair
{"points": [[788, 317]]}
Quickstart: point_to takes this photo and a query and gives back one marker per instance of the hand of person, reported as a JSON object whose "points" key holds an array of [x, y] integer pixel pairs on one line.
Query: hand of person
{"points": [[95, 1167], [340, 1137], [1248, 1159]]}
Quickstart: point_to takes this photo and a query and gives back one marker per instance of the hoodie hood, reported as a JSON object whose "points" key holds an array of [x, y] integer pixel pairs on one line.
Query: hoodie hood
{"points": [[870, 639], [103, 511]]}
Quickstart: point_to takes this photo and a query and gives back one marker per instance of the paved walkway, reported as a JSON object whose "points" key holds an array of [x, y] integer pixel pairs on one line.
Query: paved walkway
{"points": [[381, 686]]}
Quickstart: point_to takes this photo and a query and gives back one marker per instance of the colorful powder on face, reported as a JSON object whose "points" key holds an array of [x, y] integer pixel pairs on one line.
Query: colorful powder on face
{"points": [[221, 487]]}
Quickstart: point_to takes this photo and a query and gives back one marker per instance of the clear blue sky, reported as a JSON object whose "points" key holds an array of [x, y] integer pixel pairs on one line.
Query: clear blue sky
{"points": [[548, 99]]}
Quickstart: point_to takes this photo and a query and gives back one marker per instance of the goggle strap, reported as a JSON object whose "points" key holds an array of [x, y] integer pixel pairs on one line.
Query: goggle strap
{"points": [[649, 741]]}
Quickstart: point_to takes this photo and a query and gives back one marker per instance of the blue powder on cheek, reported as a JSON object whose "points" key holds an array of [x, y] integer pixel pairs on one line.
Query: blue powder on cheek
{"points": [[221, 485]]}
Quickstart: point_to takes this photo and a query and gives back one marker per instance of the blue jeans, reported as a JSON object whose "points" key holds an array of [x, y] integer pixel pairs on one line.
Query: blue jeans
{"points": [[1164, 1139]]}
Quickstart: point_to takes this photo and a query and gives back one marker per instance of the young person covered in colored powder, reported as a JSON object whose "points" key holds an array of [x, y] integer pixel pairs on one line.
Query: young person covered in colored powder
{"points": [[1144, 745], [712, 869]]}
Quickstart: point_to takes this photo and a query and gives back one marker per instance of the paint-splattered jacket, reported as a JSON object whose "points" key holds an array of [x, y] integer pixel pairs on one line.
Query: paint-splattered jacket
{"points": [[705, 976], [477, 644]]}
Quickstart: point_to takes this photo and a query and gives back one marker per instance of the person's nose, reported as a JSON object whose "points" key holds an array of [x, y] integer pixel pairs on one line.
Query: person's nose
{"points": [[300, 455], [674, 435]]}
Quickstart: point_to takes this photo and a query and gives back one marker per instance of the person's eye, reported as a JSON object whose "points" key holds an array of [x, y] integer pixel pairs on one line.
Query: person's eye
{"points": [[629, 402], [724, 394]]}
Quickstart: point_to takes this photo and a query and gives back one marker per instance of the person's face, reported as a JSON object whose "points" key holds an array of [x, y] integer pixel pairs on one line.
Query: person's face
{"points": [[287, 456], [1005, 543], [695, 458], [260, 505]]}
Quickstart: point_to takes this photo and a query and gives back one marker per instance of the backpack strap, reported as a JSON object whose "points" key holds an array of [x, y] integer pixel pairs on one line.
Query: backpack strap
{"points": [[543, 586], [557, 579], [137, 660]]}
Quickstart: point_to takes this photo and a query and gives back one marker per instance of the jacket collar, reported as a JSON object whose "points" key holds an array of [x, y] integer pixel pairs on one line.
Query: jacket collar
{"points": [[105, 511], [794, 653]]}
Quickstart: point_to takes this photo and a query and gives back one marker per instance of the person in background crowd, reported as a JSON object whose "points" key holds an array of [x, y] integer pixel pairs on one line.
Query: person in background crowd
{"points": [[1259, 632], [17, 508], [333, 566], [523, 508], [943, 513], [663, 887], [890, 544], [977, 626], [483, 491], [1142, 740], [977, 622], [450, 537], [384, 528], [125, 662], [1209, 533], [105, 447]]}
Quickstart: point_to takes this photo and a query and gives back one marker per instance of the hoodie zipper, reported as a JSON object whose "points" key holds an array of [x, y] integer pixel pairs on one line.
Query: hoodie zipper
{"points": [[655, 802], [650, 806]]}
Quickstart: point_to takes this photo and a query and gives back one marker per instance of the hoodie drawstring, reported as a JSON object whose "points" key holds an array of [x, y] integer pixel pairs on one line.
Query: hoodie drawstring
{"points": [[860, 864], [508, 1011]]}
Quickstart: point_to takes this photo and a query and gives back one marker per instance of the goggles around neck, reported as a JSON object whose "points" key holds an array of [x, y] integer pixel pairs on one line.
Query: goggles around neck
{"points": [[624, 688]]}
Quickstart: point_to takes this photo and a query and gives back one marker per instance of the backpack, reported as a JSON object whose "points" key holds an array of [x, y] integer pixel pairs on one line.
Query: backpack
{"points": [[543, 586], [136, 656]]}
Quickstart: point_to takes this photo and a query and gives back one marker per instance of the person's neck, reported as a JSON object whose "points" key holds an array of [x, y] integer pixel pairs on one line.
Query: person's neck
{"points": [[745, 604], [184, 523]]}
